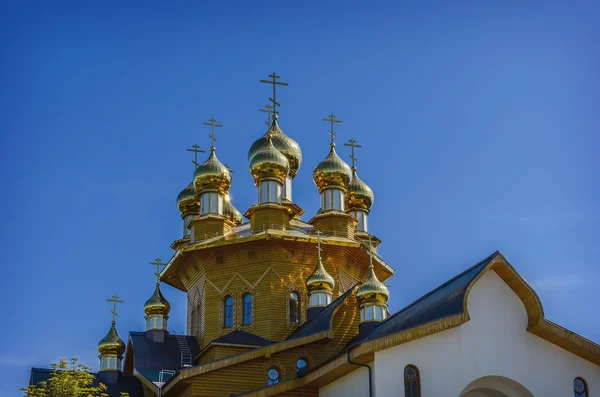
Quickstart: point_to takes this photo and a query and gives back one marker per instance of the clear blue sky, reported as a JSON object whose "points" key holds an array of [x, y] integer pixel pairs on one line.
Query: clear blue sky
{"points": [[479, 125]]}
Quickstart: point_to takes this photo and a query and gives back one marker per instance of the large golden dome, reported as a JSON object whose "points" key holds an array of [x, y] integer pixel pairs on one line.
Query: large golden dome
{"points": [[212, 175], [286, 145], [332, 171], [373, 289], [359, 194], [188, 200], [269, 163], [157, 304], [320, 279], [229, 211], [111, 343]]}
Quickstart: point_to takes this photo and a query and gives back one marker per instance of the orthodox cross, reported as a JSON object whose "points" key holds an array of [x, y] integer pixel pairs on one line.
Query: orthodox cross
{"points": [[331, 119], [212, 133], [158, 263], [196, 149], [114, 300], [319, 249], [353, 145], [268, 109], [275, 83]]}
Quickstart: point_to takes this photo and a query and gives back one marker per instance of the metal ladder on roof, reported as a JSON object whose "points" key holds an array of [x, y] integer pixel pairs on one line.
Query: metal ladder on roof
{"points": [[184, 349]]}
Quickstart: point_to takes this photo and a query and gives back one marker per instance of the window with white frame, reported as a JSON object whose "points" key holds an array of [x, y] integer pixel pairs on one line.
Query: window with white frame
{"points": [[373, 313], [319, 299], [332, 199], [269, 192], [211, 203], [361, 217]]}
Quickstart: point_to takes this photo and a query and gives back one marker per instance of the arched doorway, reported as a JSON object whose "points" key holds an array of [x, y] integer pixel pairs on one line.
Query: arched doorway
{"points": [[495, 386]]}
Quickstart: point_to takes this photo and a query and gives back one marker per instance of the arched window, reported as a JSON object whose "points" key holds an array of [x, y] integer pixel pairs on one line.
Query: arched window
{"points": [[247, 310], [273, 376], [301, 365], [294, 303], [228, 312], [580, 388], [412, 383]]}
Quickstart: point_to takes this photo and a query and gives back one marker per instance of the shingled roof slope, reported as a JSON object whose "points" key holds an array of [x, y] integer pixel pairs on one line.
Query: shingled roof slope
{"points": [[152, 357], [241, 337], [444, 301]]}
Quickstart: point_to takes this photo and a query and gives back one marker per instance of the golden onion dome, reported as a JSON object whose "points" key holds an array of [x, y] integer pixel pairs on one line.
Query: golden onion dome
{"points": [[320, 279], [373, 289], [269, 163], [157, 304], [332, 171], [111, 343], [286, 145], [359, 194], [212, 175], [188, 200], [229, 211]]}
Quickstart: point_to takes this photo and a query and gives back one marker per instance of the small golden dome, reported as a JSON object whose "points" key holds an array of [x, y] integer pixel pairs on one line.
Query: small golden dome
{"points": [[286, 145], [269, 163], [332, 171], [359, 194], [111, 343], [320, 279], [212, 174], [373, 289], [188, 200], [157, 304], [231, 212]]}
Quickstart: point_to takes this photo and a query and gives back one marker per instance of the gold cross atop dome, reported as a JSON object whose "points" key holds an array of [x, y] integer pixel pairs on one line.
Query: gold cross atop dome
{"points": [[213, 123], [319, 249], [196, 149], [268, 109], [353, 145], [275, 83], [158, 263], [332, 119], [114, 300]]}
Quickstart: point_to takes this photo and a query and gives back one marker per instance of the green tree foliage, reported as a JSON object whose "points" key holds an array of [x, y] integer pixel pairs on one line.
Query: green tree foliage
{"points": [[68, 379]]}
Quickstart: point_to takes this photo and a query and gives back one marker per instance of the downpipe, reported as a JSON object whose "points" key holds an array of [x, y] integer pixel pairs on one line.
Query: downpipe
{"points": [[371, 394]]}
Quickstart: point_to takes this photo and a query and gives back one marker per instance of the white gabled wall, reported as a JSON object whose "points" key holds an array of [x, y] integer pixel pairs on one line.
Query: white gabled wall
{"points": [[494, 342], [355, 384]]}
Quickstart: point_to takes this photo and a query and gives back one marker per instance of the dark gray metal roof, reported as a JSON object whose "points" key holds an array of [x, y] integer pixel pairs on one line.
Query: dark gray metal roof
{"points": [[152, 357], [241, 337], [125, 384], [444, 301]]}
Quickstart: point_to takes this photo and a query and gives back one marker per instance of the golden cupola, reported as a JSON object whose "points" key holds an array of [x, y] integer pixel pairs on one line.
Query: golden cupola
{"points": [[232, 213], [269, 168], [212, 175], [157, 310], [320, 284], [269, 163], [372, 295], [188, 203], [359, 195], [187, 200], [286, 145], [332, 172]]}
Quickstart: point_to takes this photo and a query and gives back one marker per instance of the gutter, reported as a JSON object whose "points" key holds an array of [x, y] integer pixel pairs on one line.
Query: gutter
{"points": [[371, 394]]}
